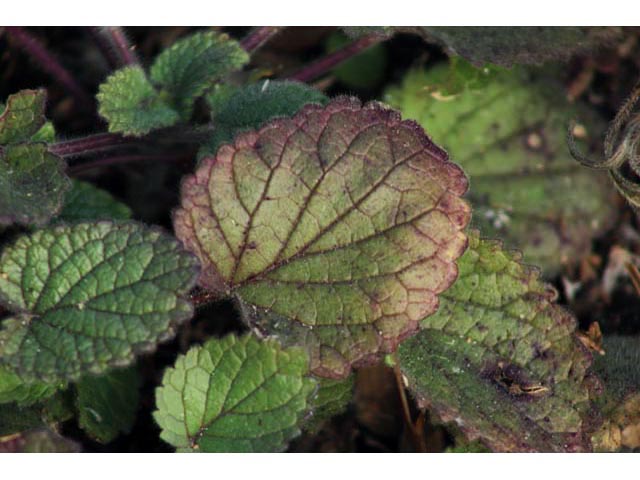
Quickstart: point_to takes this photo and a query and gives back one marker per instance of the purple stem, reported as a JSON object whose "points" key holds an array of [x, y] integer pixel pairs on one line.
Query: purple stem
{"points": [[323, 65], [122, 45], [104, 45], [90, 144], [34, 47], [258, 37], [133, 158]]}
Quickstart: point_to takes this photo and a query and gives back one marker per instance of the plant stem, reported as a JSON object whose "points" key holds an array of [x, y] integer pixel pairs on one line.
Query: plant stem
{"points": [[122, 159], [90, 144], [323, 65], [35, 48], [122, 46], [258, 37], [104, 45]]}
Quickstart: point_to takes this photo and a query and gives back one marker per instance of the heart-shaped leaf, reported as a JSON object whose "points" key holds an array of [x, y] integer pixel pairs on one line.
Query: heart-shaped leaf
{"points": [[90, 296], [501, 360], [338, 228], [507, 129], [234, 395], [23, 116], [32, 184]]}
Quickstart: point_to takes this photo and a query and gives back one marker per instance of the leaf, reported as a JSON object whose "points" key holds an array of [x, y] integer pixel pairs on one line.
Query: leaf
{"points": [[41, 440], [107, 405], [23, 116], [193, 64], [501, 359], [254, 105], [86, 202], [620, 403], [14, 389], [32, 184], [508, 133], [337, 228], [332, 398], [131, 105], [235, 394], [15, 418], [506, 46], [365, 70], [89, 297]]}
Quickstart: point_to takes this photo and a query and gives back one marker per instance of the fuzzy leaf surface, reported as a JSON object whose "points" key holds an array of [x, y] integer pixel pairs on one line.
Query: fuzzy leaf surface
{"points": [[131, 105], [32, 184], [253, 105], [87, 202], [89, 297], [107, 404], [338, 228], [23, 116], [508, 132], [501, 360], [235, 394], [193, 64]]}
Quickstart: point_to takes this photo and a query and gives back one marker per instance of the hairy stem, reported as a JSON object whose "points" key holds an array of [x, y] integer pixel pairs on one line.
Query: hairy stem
{"points": [[35, 48], [258, 37], [123, 159], [90, 144], [104, 45], [323, 65], [122, 46]]}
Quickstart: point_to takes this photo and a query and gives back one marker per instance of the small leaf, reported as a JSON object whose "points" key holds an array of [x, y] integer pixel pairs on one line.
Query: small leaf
{"points": [[23, 116], [331, 399], [89, 297], [131, 105], [507, 130], [193, 64], [42, 440], [337, 228], [234, 395], [32, 184], [501, 360], [107, 404], [14, 389], [254, 105], [86, 202]]}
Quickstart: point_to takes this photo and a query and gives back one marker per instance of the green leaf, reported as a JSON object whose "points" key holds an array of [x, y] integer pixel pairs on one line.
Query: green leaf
{"points": [[15, 418], [42, 440], [14, 389], [107, 404], [23, 116], [131, 105], [193, 64], [331, 399], [508, 131], [89, 297], [254, 105], [338, 228], [365, 70], [234, 395], [501, 359], [86, 202], [32, 184]]}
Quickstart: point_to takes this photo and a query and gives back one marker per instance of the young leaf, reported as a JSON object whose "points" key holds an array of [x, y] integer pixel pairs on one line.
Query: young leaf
{"points": [[89, 297], [107, 404], [252, 106], [338, 228], [23, 116], [131, 105], [32, 184], [86, 202], [234, 395], [193, 64], [508, 133], [500, 359], [14, 389]]}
